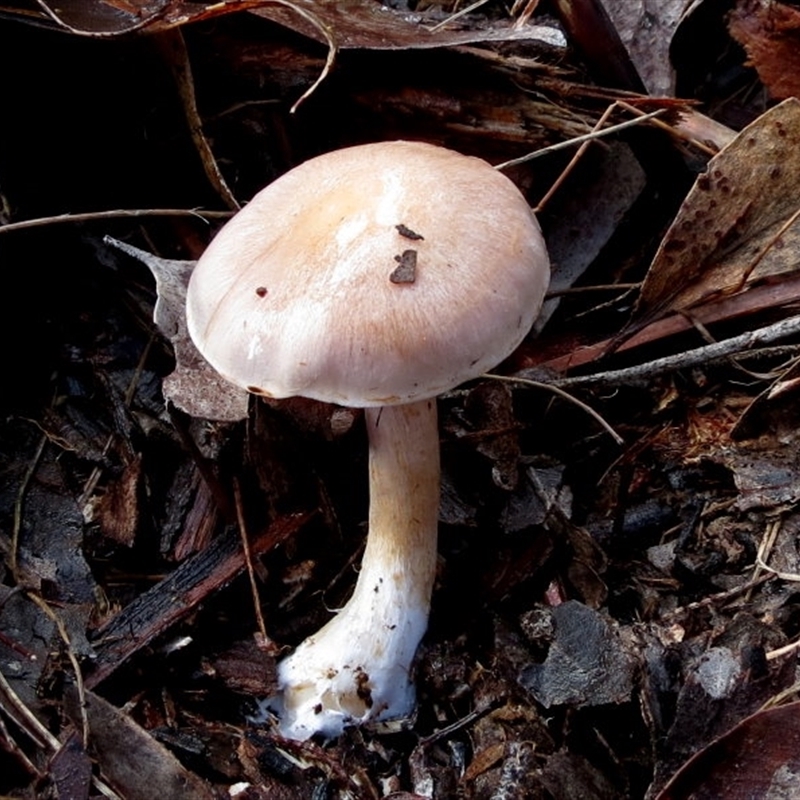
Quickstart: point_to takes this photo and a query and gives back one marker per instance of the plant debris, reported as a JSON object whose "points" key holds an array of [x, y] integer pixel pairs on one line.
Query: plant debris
{"points": [[617, 603]]}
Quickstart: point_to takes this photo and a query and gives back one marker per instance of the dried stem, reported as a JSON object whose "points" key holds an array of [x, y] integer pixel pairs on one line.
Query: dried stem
{"points": [[119, 213], [550, 387], [690, 358]]}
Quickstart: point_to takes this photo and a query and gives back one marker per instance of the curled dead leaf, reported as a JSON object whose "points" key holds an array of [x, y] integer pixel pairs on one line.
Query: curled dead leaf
{"points": [[739, 223]]}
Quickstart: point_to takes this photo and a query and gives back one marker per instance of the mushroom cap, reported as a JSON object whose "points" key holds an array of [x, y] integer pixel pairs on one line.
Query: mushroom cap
{"points": [[378, 274]]}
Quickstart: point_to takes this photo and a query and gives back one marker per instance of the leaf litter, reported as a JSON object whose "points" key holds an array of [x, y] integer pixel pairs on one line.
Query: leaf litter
{"points": [[603, 613]]}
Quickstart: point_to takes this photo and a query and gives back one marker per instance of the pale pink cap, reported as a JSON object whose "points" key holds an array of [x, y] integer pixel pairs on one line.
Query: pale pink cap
{"points": [[368, 276]]}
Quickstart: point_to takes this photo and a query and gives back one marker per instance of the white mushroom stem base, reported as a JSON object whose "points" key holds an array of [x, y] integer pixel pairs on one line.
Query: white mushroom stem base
{"points": [[358, 666]]}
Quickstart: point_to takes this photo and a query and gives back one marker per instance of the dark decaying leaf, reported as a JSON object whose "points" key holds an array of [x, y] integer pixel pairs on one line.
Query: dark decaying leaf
{"points": [[131, 759], [587, 662], [759, 759], [570, 777], [583, 222], [71, 769], [765, 470], [722, 683], [646, 28], [490, 414], [50, 553]]}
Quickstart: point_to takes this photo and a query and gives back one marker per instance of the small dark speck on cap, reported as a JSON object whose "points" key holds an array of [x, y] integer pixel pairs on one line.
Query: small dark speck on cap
{"points": [[406, 269], [404, 230], [261, 291]]}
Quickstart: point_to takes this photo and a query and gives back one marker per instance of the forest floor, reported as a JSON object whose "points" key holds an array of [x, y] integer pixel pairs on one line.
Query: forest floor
{"points": [[616, 612]]}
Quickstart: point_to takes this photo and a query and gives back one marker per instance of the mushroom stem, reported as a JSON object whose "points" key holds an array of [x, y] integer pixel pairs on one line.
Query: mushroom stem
{"points": [[358, 666]]}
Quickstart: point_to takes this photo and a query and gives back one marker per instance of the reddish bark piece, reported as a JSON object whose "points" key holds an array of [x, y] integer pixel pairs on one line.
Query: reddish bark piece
{"points": [[153, 612], [117, 510]]}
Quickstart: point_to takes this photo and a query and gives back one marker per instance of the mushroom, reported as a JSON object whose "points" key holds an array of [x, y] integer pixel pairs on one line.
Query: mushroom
{"points": [[376, 276]]}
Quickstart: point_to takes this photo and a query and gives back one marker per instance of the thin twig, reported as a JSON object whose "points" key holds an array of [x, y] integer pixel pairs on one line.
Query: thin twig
{"points": [[13, 556], [329, 40], [173, 48], [773, 240], [558, 182], [267, 643], [676, 132], [466, 720], [214, 9], [549, 387], [209, 12], [476, 5], [30, 723], [524, 13], [586, 137], [119, 213], [687, 359], [600, 287], [791, 577], [26, 719], [11, 747], [717, 599], [765, 547], [783, 695], [783, 651], [73, 659]]}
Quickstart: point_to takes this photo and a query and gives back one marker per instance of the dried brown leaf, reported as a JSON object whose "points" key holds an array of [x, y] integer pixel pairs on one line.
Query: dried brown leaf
{"points": [[355, 24], [770, 33], [132, 761], [758, 759], [194, 387], [646, 28], [738, 223], [378, 26]]}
